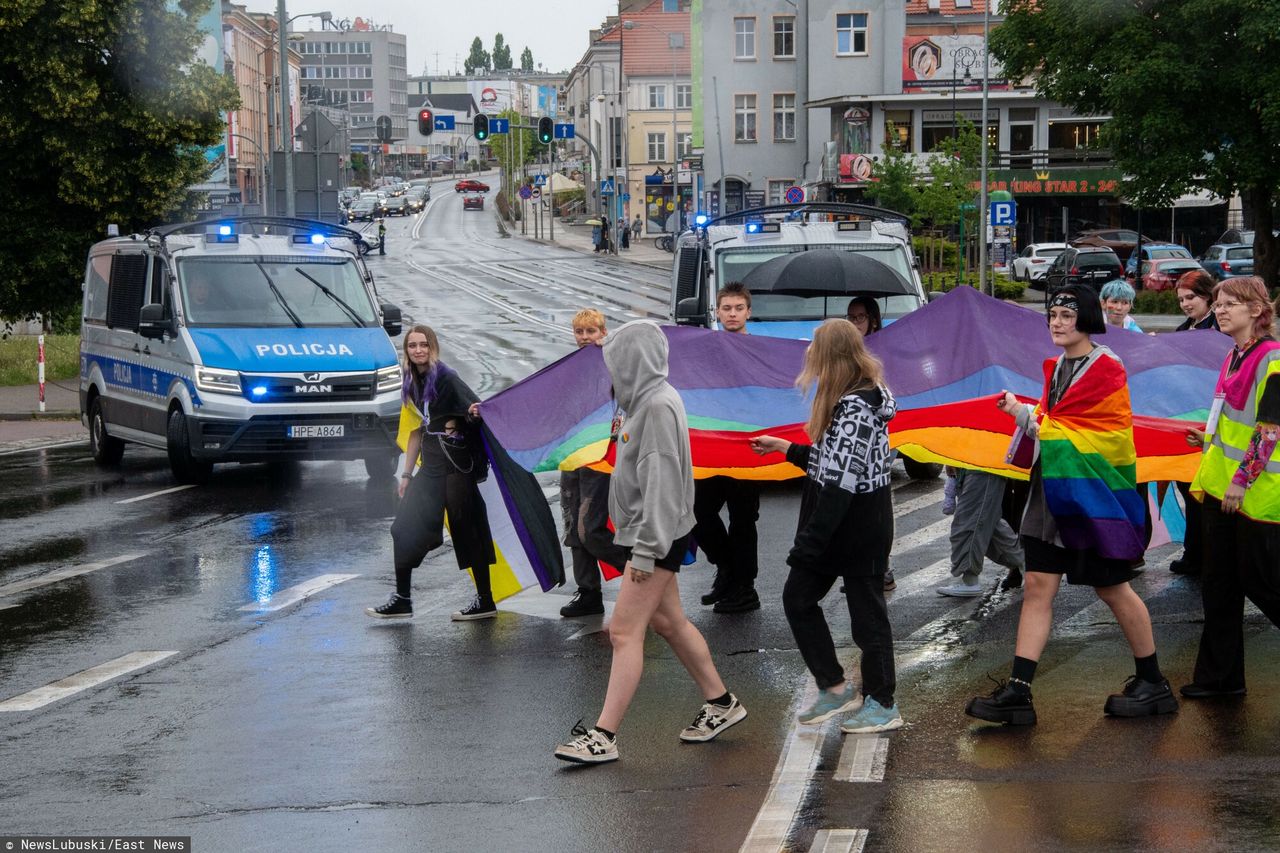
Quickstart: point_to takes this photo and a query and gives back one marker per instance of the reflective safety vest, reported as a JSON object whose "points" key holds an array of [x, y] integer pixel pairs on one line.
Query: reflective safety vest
{"points": [[1235, 429]]}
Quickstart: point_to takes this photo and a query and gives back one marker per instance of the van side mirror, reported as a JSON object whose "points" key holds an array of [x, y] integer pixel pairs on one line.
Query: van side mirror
{"points": [[153, 322], [689, 309], [391, 318]]}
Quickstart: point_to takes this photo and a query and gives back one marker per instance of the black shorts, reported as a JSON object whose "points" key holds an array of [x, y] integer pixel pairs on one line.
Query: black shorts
{"points": [[1083, 568], [674, 558]]}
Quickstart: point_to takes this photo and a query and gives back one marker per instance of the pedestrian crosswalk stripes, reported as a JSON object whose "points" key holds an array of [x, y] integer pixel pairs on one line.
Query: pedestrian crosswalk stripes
{"points": [[285, 597], [63, 574], [839, 841], [84, 680], [863, 758]]}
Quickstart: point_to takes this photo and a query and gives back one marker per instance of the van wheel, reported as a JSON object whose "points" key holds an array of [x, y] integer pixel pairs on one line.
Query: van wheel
{"points": [[106, 449], [921, 470], [379, 467], [186, 468]]}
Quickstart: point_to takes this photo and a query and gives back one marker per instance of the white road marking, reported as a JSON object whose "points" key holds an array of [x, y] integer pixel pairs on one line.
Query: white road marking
{"points": [[1148, 586], [42, 446], [294, 594], [62, 574], [916, 503], [91, 677], [839, 841], [157, 494], [535, 602], [935, 574], [923, 535], [7, 606], [863, 758], [791, 777]]}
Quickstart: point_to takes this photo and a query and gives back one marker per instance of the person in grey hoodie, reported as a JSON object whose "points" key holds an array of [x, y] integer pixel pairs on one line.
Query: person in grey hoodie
{"points": [[651, 504]]}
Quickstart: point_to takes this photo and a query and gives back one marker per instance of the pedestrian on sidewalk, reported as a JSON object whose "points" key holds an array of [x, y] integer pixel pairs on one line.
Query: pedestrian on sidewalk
{"points": [[733, 551], [651, 504], [1239, 482], [595, 238], [584, 504], [1084, 516], [442, 440], [624, 234], [636, 227], [845, 529], [978, 531]]}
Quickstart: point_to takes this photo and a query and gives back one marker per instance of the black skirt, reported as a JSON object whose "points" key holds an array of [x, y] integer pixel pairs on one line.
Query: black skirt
{"points": [[1082, 567]]}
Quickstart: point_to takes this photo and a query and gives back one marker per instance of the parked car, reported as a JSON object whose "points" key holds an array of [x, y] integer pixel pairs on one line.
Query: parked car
{"points": [[470, 185], [1119, 240], [1155, 252], [396, 206], [1239, 235], [1090, 265], [1034, 260], [1224, 261], [473, 202], [1163, 273]]}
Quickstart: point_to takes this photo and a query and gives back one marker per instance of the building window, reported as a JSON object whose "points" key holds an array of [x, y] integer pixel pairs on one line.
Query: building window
{"points": [[778, 190], [784, 118], [657, 97], [744, 38], [897, 129], [784, 37], [335, 72], [657, 148], [744, 118], [1074, 134], [851, 34], [684, 96], [684, 144], [310, 72]]}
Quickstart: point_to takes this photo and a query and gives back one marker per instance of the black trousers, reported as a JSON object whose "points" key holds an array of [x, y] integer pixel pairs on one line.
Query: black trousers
{"points": [[1192, 547], [733, 549], [1244, 563], [419, 527], [869, 621]]}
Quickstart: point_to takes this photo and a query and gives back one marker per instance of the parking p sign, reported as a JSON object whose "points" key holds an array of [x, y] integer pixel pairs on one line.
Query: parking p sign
{"points": [[1004, 213]]}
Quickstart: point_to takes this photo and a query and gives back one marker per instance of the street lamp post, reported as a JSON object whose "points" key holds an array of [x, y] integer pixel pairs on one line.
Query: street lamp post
{"points": [[286, 129], [982, 204], [675, 42]]}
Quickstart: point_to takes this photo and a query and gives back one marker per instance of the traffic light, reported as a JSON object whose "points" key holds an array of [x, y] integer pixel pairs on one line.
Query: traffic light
{"points": [[545, 130], [426, 122], [481, 127]]}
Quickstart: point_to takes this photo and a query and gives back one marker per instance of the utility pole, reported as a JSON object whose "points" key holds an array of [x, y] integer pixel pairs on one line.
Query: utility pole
{"points": [[286, 129], [982, 205]]}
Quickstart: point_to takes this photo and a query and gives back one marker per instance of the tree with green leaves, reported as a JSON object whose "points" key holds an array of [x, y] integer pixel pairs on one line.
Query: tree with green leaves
{"points": [[526, 60], [952, 170], [514, 149], [501, 54], [896, 177], [478, 60], [105, 118], [1207, 117]]}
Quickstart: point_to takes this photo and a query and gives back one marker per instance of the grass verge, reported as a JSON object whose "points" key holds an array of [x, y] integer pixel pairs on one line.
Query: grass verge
{"points": [[18, 359]]}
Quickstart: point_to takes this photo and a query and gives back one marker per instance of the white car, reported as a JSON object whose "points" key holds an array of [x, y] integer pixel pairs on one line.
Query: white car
{"points": [[1034, 260]]}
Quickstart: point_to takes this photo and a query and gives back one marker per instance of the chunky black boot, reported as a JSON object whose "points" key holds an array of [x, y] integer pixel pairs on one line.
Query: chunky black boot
{"points": [[1006, 704]]}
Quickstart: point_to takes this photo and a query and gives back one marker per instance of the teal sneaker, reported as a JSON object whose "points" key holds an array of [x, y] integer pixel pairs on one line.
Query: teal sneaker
{"points": [[873, 717], [830, 703]]}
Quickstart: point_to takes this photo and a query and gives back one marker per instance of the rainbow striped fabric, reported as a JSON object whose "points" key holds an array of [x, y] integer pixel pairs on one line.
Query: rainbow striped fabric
{"points": [[1088, 462]]}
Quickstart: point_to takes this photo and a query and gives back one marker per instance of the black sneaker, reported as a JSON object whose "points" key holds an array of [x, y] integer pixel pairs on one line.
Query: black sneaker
{"points": [[477, 609], [1183, 566], [1142, 699], [395, 608], [585, 602], [1006, 704], [1013, 580], [889, 583], [719, 588], [739, 601]]}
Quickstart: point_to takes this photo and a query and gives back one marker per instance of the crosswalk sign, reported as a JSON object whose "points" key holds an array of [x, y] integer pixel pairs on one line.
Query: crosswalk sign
{"points": [[606, 186], [539, 180]]}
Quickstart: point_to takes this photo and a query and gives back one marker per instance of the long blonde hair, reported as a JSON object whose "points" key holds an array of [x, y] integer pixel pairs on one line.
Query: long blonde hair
{"points": [[837, 362]]}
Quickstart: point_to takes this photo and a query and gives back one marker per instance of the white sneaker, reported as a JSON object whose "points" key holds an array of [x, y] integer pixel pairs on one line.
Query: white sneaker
{"points": [[960, 589], [712, 720], [589, 746]]}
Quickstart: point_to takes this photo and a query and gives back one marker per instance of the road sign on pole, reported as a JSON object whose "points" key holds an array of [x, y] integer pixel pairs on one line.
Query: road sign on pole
{"points": [[525, 192], [606, 186], [499, 125], [1004, 213], [795, 195], [564, 131], [539, 180], [443, 123]]}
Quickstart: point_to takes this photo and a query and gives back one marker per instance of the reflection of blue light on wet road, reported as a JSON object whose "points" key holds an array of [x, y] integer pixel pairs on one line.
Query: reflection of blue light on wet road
{"points": [[264, 574], [260, 525]]}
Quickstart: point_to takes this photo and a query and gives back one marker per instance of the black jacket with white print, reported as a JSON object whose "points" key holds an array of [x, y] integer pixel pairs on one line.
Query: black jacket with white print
{"points": [[846, 512]]}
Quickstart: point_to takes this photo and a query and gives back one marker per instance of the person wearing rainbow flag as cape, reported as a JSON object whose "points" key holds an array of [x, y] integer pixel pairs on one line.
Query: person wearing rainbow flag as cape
{"points": [[1084, 517], [1239, 483]]}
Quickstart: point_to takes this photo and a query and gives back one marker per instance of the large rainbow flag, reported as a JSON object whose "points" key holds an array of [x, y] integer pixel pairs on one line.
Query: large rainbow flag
{"points": [[946, 363]]}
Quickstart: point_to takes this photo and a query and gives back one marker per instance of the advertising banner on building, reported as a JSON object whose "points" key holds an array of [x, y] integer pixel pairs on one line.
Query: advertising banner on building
{"points": [[1055, 182], [932, 63], [211, 52]]}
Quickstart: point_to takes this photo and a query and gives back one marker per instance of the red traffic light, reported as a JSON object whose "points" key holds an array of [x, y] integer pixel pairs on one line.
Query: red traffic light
{"points": [[426, 122]]}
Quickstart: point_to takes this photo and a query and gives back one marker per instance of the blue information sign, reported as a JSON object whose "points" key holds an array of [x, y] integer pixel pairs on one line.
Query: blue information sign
{"points": [[443, 123], [499, 125], [563, 131], [539, 180], [1004, 213], [606, 186]]}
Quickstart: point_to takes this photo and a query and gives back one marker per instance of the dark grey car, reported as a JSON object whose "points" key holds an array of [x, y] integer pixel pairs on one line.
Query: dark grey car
{"points": [[1085, 264]]}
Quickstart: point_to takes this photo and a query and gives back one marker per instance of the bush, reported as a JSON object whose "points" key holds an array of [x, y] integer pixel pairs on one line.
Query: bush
{"points": [[926, 248], [1005, 288], [1156, 302]]}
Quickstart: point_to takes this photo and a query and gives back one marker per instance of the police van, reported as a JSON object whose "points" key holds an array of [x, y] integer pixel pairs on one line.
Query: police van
{"points": [[238, 340], [753, 246]]}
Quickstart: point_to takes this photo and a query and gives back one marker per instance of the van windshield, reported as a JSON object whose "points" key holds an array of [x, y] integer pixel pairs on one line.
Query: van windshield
{"points": [[734, 264], [268, 291]]}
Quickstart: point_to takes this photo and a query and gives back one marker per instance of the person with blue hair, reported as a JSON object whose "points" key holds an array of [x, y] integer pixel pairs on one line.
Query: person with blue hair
{"points": [[1117, 302]]}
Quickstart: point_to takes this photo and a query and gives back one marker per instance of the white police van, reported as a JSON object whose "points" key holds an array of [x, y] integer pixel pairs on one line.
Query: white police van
{"points": [[238, 340]]}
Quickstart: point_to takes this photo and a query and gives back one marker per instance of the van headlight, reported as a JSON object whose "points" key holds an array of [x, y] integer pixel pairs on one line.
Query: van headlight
{"points": [[218, 381], [389, 379]]}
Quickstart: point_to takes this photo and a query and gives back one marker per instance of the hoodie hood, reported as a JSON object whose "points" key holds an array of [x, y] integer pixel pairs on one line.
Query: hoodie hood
{"points": [[636, 357]]}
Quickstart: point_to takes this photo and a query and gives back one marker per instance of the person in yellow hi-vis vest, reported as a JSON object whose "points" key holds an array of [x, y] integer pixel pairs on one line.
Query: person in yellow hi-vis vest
{"points": [[439, 431], [1239, 483]]}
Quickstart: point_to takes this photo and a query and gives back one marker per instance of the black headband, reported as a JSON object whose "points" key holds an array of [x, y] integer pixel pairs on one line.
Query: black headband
{"points": [[1065, 299]]}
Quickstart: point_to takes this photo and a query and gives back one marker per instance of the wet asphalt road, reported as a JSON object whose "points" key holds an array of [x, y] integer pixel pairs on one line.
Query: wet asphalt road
{"points": [[311, 727]]}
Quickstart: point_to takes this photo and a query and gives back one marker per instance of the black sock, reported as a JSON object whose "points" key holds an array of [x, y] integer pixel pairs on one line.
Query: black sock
{"points": [[403, 576], [606, 733], [1148, 669], [484, 587], [1024, 670], [722, 701]]}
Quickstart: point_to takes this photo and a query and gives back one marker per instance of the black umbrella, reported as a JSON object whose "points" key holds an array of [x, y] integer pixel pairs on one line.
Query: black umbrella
{"points": [[825, 272]]}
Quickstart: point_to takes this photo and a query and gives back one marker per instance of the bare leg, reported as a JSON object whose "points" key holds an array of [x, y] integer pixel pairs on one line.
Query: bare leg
{"points": [[1131, 612], [1037, 614], [687, 642], [637, 602]]}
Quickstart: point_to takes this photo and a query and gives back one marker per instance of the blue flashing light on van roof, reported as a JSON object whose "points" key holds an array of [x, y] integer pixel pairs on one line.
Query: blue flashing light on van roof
{"points": [[225, 231], [701, 219]]}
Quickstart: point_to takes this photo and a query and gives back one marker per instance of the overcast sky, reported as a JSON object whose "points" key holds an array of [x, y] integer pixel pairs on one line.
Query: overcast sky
{"points": [[556, 32]]}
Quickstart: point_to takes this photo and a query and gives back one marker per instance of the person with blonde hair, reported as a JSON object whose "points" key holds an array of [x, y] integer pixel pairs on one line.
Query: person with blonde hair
{"points": [[845, 528]]}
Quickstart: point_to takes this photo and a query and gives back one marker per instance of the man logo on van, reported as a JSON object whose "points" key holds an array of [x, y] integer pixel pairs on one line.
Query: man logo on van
{"points": [[304, 349], [313, 389]]}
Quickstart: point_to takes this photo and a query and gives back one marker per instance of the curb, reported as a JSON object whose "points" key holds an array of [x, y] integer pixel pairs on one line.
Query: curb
{"points": [[52, 415]]}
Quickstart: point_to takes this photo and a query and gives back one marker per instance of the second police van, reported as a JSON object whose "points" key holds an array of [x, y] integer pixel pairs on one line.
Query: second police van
{"points": [[252, 339]]}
